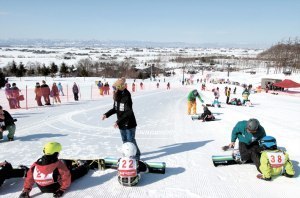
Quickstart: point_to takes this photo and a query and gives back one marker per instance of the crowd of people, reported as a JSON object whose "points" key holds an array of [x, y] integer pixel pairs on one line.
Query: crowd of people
{"points": [[54, 175]]}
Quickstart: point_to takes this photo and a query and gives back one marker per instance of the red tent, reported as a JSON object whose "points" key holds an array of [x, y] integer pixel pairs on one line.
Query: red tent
{"points": [[287, 84]]}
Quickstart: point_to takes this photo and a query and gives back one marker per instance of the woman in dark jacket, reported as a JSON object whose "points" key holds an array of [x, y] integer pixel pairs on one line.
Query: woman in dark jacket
{"points": [[123, 108], [75, 90]]}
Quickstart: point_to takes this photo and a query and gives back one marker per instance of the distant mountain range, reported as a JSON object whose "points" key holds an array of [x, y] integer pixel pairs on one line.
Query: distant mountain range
{"points": [[97, 43]]}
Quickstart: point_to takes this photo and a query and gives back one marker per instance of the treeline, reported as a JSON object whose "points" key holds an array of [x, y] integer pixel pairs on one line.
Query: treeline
{"points": [[83, 68], [284, 55]]}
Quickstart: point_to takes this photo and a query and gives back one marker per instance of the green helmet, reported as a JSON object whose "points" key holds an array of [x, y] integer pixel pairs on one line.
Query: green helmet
{"points": [[52, 147]]}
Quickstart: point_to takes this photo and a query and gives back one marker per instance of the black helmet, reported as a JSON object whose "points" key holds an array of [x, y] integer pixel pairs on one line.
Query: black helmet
{"points": [[195, 92], [252, 124]]}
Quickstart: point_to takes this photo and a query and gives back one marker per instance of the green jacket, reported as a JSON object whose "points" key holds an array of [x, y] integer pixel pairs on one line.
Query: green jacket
{"points": [[240, 132], [193, 95], [275, 162]]}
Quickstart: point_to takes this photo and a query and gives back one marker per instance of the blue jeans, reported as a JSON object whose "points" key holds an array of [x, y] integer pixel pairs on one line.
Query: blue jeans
{"points": [[128, 135]]}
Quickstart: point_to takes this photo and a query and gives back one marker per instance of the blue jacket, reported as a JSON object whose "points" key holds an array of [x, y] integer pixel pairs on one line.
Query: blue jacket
{"points": [[240, 132]]}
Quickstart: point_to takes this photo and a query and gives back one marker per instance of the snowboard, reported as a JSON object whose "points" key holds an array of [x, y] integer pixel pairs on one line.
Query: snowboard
{"points": [[229, 159], [154, 167]]}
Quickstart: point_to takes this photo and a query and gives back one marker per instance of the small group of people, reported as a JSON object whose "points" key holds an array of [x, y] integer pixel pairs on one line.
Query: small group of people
{"points": [[42, 90], [13, 95], [103, 88], [255, 146], [54, 175]]}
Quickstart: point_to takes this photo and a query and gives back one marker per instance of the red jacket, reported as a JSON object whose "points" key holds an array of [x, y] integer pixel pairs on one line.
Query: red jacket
{"points": [[49, 177]]}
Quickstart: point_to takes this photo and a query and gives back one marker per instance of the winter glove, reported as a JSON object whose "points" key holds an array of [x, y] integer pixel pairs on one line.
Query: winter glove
{"points": [[24, 195], [226, 148], [58, 193], [260, 176]]}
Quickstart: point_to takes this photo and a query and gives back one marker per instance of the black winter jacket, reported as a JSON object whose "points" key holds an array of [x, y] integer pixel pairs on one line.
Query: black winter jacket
{"points": [[123, 108], [8, 121]]}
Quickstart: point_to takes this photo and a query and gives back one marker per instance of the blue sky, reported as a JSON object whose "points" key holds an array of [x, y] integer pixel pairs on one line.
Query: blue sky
{"points": [[191, 21]]}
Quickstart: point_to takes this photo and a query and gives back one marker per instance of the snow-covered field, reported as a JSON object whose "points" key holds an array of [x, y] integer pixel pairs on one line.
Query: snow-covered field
{"points": [[165, 133]]}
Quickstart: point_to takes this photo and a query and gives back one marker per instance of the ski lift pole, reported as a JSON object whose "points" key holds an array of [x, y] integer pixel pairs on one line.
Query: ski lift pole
{"points": [[67, 93]]}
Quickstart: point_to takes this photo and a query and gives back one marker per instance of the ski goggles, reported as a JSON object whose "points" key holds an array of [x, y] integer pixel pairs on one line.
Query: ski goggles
{"points": [[120, 86]]}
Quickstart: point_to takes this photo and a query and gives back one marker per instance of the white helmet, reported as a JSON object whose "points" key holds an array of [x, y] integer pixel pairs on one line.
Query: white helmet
{"points": [[129, 149]]}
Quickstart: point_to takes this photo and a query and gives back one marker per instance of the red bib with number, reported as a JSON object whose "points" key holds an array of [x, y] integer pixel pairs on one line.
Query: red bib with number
{"points": [[127, 167]]}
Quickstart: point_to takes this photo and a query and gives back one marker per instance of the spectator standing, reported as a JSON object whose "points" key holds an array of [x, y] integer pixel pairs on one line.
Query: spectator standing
{"points": [[15, 94], [75, 90], [11, 100], [228, 95], [168, 85], [46, 92], [60, 88], [55, 93], [38, 94]]}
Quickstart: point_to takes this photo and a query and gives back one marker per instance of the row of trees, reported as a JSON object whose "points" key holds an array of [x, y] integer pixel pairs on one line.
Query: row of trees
{"points": [[284, 55], [84, 68]]}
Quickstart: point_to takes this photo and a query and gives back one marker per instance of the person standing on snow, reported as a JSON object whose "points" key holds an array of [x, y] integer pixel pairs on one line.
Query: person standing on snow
{"points": [[55, 93], [51, 174], [273, 161], [38, 94], [75, 90], [248, 133], [60, 88], [46, 92], [125, 117], [192, 105]]}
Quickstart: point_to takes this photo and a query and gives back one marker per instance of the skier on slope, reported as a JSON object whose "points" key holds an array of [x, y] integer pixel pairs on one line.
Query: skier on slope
{"points": [[51, 174], [248, 133], [129, 167], [192, 105], [273, 161]]}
